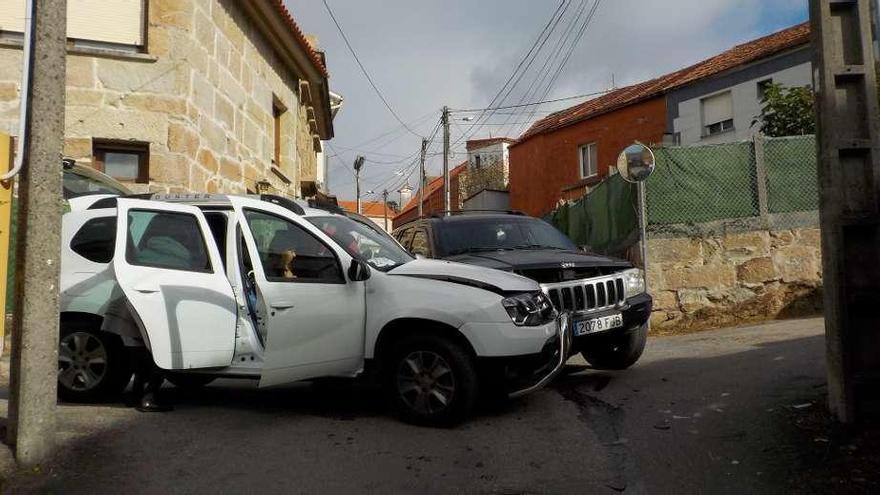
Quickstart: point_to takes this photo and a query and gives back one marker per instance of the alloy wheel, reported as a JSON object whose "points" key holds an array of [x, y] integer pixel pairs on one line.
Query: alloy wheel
{"points": [[82, 361], [425, 382]]}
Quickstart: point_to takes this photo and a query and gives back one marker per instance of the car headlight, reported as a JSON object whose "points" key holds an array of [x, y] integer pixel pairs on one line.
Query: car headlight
{"points": [[633, 282], [529, 309]]}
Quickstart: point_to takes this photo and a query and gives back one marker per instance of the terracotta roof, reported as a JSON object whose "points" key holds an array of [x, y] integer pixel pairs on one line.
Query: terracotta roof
{"points": [[739, 55], [480, 143], [300, 37], [368, 208], [433, 186]]}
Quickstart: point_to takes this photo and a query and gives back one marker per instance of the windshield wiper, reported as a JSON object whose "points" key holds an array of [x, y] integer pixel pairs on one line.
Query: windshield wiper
{"points": [[481, 249], [537, 246]]}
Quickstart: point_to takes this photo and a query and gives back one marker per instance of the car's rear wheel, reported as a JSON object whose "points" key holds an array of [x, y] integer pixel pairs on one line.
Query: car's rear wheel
{"points": [[432, 381], [92, 365], [616, 352]]}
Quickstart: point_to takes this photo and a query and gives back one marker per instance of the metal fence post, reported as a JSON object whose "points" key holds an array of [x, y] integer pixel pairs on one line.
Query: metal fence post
{"points": [[761, 180]]}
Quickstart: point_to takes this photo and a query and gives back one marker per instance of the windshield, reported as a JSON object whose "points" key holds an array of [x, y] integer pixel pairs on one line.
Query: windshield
{"points": [[464, 235], [361, 241]]}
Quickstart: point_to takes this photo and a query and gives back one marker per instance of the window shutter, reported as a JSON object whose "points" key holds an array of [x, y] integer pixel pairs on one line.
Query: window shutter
{"points": [[12, 15], [717, 108], [110, 21]]}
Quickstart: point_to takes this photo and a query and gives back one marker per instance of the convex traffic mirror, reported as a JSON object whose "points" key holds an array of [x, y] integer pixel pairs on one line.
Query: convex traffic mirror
{"points": [[635, 163]]}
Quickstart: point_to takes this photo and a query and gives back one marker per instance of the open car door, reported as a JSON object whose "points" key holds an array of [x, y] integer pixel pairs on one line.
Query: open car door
{"points": [[169, 268]]}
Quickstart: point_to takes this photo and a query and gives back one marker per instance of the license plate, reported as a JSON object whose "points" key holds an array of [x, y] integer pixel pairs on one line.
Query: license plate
{"points": [[600, 324]]}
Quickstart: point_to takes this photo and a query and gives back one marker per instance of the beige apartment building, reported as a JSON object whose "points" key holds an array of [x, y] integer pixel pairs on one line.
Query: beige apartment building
{"points": [[186, 95]]}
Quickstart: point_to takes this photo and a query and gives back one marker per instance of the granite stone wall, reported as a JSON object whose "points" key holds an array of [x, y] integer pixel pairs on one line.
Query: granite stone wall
{"points": [[739, 278], [201, 95]]}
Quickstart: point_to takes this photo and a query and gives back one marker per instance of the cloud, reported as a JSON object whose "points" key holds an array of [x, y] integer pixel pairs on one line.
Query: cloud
{"points": [[427, 54]]}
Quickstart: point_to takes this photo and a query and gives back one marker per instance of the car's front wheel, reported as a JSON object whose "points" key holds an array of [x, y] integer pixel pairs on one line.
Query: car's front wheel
{"points": [[616, 352], [432, 380], [92, 365]]}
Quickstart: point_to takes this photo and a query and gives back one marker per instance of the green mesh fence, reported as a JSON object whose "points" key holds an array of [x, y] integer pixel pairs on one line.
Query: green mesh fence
{"points": [[606, 219], [790, 165], [702, 190], [702, 184]]}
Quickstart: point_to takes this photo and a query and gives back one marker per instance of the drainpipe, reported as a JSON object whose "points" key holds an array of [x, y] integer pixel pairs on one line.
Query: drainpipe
{"points": [[27, 53]]}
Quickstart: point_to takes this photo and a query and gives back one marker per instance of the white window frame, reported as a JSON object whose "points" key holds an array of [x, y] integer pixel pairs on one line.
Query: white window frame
{"points": [[594, 167]]}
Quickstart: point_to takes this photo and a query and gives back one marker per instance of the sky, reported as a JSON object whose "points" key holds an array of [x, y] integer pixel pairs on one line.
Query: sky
{"points": [[424, 54]]}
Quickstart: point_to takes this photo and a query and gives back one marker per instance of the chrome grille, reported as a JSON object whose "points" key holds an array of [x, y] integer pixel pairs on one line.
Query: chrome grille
{"points": [[592, 294]]}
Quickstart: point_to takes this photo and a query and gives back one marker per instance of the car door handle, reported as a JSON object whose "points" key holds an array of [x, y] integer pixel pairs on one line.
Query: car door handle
{"points": [[282, 305]]}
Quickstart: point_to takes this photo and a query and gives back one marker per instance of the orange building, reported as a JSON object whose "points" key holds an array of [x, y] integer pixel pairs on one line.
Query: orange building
{"points": [[434, 197], [562, 155]]}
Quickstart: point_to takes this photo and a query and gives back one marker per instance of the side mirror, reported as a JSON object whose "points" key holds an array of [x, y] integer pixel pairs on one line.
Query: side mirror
{"points": [[635, 163], [358, 271]]}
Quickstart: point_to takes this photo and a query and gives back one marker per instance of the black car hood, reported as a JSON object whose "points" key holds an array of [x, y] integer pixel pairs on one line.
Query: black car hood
{"points": [[532, 259]]}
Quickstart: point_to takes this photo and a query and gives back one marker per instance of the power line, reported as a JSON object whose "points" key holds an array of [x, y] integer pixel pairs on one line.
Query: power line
{"points": [[529, 55], [542, 102], [532, 91], [364, 70]]}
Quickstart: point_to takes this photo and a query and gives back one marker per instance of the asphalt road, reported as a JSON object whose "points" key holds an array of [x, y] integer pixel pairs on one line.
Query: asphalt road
{"points": [[704, 413]]}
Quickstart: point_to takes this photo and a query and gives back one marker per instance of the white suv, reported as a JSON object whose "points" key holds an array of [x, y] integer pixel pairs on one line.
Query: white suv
{"points": [[267, 288]]}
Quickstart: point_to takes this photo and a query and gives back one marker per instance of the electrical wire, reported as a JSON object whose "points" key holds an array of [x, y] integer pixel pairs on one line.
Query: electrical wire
{"points": [[364, 70]]}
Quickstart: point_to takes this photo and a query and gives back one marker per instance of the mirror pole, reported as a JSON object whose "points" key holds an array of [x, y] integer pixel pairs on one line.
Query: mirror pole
{"points": [[643, 229]]}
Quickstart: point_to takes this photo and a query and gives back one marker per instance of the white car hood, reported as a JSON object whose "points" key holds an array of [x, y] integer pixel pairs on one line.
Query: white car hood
{"points": [[448, 271]]}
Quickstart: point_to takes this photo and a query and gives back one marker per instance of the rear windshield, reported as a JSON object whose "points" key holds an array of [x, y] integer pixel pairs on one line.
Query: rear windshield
{"points": [[464, 235]]}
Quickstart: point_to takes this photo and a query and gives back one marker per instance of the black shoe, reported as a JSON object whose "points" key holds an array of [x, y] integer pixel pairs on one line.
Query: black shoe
{"points": [[150, 404]]}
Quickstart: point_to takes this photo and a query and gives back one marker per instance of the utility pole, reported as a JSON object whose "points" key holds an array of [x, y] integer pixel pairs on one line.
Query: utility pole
{"points": [[849, 192], [385, 208], [34, 360], [446, 194], [422, 175], [358, 165]]}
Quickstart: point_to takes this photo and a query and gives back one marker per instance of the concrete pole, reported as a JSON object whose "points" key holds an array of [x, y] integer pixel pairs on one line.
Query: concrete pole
{"points": [[385, 208], [849, 193], [34, 363], [422, 176], [447, 203]]}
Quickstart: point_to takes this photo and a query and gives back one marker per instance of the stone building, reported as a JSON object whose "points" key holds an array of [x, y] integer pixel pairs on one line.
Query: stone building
{"points": [[186, 95]]}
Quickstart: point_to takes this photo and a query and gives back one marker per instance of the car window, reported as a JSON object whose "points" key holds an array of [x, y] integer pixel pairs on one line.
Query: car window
{"points": [[420, 243], [289, 253], [363, 240], [95, 240], [508, 232], [217, 222], [404, 237], [166, 240]]}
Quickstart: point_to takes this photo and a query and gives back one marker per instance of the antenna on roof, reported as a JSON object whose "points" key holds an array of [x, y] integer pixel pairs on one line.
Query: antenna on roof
{"points": [[613, 86]]}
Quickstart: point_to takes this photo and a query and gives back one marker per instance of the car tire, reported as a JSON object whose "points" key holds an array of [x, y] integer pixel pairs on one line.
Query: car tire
{"points": [[617, 352], [92, 365], [189, 381], [432, 381]]}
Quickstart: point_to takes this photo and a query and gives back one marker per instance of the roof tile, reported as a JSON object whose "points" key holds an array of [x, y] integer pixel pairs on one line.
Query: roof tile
{"points": [[739, 55]]}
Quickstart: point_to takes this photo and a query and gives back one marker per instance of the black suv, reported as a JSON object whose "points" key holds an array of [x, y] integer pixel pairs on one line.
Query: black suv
{"points": [[606, 296]]}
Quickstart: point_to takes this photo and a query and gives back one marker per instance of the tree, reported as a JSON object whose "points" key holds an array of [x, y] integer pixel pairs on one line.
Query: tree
{"points": [[786, 111]]}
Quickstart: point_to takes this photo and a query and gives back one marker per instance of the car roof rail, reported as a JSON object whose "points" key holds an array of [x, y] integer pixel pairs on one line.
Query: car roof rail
{"points": [[111, 201], [443, 213], [326, 205], [283, 202]]}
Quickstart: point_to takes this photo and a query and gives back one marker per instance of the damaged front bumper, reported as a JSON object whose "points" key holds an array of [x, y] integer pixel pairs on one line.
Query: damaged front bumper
{"points": [[557, 351]]}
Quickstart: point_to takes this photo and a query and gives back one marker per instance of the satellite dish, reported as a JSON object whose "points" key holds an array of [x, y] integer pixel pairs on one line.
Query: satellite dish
{"points": [[635, 163]]}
